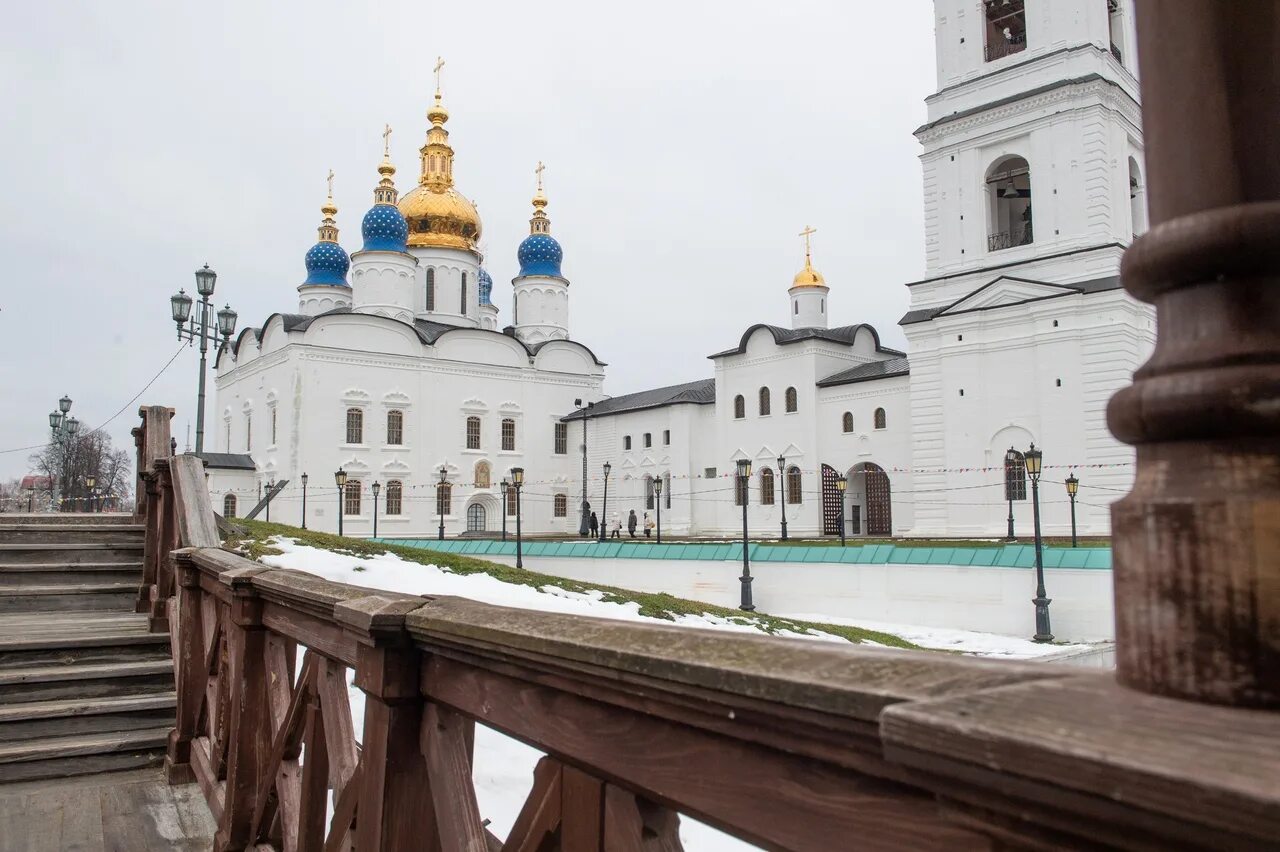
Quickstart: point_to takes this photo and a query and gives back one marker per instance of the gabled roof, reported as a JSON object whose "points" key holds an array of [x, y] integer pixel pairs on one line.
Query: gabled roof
{"points": [[1020, 291], [844, 335], [868, 372], [228, 461], [701, 392]]}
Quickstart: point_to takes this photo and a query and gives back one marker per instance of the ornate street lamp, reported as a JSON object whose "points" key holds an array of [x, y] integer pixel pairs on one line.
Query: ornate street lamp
{"points": [[1033, 458], [1073, 485], [64, 404], [271, 485], [657, 494], [842, 484], [304, 501], [1011, 460], [744, 482], [90, 482], [604, 507], [517, 480], [376, 488], [584, 522], [782, 485], [204, 327], [444, 479], [505, 486], [340, 477]]}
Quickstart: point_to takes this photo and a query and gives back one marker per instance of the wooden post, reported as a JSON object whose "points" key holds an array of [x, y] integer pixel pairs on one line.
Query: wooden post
{"points": [[1197, 542], [249, 728], [190, 673], [167, 541]]}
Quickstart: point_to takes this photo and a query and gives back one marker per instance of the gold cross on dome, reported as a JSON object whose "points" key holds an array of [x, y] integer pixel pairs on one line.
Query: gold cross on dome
{"points": [[539, 170], [330, 179], [806, 233], [439, 65], [386, 139]]}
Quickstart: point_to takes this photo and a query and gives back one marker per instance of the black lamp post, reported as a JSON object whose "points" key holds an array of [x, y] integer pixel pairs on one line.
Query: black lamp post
{"points": [[744, 481], [1043, 634], [444, 479], [657, 501], [270, 487], [340, 477], [1010, 462], [1073, 485], [842, 484], [89, 482], [517, 480], [376, 488], [584, 522], [505, 486], [604, 507], [196, 328], [31, 499], [304, 501], [782, 487]]}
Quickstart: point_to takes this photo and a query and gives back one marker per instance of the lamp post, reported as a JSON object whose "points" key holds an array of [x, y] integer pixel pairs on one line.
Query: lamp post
{"points": [[517, 480], [304, 501], [340, 477], [1010, 461], [584, 523], [1033, 459], [505, 485], [1073, 485], [271, 484], [657, 501], [376, 488], [89, 482], [744, 482], [782, 486], [31, 499], [63, 428], [842, 484], [604, 506], [444, 478], [195, 328]]}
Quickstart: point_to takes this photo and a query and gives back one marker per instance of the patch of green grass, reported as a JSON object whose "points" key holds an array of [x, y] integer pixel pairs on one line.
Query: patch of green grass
{"points": [[656, 605]]}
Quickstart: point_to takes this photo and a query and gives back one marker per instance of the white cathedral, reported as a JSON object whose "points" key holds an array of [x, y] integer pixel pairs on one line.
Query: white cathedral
{"points": [[396, 368]]}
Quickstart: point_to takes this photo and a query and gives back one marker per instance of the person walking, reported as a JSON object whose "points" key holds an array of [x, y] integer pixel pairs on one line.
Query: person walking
{"points": [[615, 526], [631, 523], [648, 525], [595, 526]]}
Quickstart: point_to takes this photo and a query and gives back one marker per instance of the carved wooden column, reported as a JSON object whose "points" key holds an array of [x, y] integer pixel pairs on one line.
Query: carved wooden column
{"points": [[166, 542], [190, 676], [1197, 542]]}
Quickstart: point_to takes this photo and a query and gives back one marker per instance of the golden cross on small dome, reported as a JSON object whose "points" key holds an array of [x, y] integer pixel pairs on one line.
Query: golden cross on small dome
{"points": [[439, 65], [330, 179], [386, 140], [806, 233], [539, 170]]}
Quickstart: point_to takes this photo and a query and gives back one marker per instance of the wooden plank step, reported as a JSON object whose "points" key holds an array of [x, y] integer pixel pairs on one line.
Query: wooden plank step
{"points": [[87, 639], [83, 745], [73, 527], [84, 671], [78, 567], [19, 547], [80, 707], [67, 589]]}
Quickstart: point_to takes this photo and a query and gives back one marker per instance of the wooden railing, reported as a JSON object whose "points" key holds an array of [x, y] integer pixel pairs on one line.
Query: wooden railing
{"points": [[800, 745]]}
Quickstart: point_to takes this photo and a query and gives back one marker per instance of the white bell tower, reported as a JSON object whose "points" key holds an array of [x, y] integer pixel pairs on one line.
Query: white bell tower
{"points": [[808, 292]]}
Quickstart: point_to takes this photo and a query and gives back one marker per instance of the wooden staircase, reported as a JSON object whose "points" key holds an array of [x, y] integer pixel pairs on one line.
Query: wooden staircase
{"points": [[84, 687]]}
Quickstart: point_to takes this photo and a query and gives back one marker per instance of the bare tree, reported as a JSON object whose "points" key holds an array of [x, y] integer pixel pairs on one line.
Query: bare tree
{"points": [[72, 462]]}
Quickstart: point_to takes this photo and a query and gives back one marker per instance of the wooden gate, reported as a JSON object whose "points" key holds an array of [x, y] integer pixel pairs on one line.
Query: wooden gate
{"points": [[879, 504], [830, 501]]}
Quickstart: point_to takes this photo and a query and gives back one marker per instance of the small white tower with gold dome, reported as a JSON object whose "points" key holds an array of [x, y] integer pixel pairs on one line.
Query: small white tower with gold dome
{"points": [[808, 291], [541, 291]]}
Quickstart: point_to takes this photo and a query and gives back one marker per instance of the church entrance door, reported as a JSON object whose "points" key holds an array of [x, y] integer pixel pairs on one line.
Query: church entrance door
{"points": [[475, 518], [830, 501], [869, 489]]}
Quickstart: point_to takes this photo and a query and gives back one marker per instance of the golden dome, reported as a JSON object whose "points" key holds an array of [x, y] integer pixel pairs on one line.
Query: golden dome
{"points": [[445, 219], [809, 277]]}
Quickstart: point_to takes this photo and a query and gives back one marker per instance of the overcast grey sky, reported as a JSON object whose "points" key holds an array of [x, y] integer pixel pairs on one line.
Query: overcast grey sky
{"points": [[686, 143]]}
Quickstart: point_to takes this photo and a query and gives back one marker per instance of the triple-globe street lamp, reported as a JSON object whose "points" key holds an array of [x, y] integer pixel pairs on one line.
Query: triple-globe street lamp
{"points": [[199, 327]]}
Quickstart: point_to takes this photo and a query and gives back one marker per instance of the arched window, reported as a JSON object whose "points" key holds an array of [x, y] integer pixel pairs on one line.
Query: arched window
{"points": [[1009, 204], [846, 422], [511, 502], [1006, 28], [508, 434], [880, 420], [355, 426], [394, 492], [473, 433], [626, 442], [648, 439], [248, 433], [351, 501], [648, 491], [444, 498], [229, 506], [794, 485], [766, 487], [1137, 200], [561, 506], [739, 407], [1015, 475], [431, 289], [793, 402], [764, 402], [395, 427], [462, 308], [483, 474]]}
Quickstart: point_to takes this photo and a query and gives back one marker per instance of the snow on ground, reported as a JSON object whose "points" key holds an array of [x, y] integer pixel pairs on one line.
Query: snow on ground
{"points": [[503, 770]]}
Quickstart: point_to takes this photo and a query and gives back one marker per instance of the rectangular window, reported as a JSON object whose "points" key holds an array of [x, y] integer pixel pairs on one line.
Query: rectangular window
{"points": [[444, 499], [511, 502], [273, 427], [561, 506], [431, 289], [394, 492], [473, 433], [648, 439], [626, 442], [462, 308], [666, 437], [709, 473], [351, 505], [248, 433], [355, 426], [562, 439], [395, 427], [739, 491], [509, 435]]}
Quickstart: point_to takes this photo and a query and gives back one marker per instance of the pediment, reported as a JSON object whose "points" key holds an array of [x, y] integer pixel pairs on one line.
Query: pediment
{"points": [[1003, 292]]}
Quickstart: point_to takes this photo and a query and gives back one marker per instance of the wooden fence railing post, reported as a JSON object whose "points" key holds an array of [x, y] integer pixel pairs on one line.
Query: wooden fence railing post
{"points": [[1197, 542], [248, 723], [190, 677], [166, 542]]}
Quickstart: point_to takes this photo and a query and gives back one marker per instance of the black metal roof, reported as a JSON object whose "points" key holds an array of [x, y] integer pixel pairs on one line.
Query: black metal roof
{"points": [[1094, 285], [701, 392], [845, 335], [228, 461], [868, 372]]}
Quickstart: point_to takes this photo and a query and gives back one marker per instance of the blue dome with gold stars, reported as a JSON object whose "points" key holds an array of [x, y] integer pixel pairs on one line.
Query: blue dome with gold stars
{"points": [[384, 229], [327, 263], [540, 254], [486, 287]]}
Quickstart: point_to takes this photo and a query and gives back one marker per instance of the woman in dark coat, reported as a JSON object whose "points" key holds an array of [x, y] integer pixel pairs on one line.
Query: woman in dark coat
{"points": [[631, 523], [595, 526]]}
